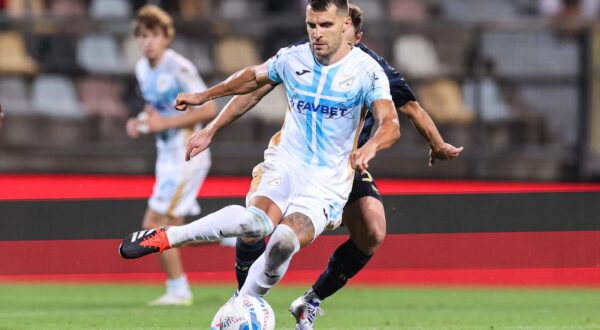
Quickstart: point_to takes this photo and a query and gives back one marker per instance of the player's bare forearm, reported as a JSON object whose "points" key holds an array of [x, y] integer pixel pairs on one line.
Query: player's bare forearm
{"points": [[388, 131], [203, 114], [237, 107], [242, 82], [423, 123]]}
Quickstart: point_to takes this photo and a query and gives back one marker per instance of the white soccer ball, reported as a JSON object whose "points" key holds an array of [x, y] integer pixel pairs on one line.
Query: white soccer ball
{"points": [[245, 312]]}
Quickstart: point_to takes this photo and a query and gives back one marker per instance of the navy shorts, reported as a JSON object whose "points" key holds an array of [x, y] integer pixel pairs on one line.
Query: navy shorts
{"points": [[363, 186]]}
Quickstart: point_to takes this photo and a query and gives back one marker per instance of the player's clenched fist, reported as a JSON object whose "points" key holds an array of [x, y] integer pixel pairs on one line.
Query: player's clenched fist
{"points": [[184, 100], [359, 159], [197, 143]]}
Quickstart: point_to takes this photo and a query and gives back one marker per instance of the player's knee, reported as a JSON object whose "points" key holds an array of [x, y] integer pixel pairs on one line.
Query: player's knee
{"points": [[376, 238], [369, 240], [257, 224]]}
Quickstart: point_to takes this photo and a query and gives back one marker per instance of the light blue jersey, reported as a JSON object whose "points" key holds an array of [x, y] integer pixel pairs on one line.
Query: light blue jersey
{"points": [[177, 181], [328, 105], [160, 85]]}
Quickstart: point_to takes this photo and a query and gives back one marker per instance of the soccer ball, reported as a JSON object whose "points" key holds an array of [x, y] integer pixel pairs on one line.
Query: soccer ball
{"points": [[245, 312]]}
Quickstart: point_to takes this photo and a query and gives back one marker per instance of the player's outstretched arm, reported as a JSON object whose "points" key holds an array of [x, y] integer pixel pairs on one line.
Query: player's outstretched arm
{"points": [[236, 107], [426, 127], [157, 123], [387, 133], [244, 81]]}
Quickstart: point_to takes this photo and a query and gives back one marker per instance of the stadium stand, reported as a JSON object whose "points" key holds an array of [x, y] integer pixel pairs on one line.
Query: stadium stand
{"points": [[437, 47]]}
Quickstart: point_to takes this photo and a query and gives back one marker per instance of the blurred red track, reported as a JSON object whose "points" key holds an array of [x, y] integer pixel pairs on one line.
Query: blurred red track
{"points": [[546, 258], [49, 187]]}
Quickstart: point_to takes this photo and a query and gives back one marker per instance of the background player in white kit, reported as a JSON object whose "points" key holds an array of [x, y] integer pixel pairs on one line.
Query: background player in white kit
{"points": [[308, 172], [161, 75]]}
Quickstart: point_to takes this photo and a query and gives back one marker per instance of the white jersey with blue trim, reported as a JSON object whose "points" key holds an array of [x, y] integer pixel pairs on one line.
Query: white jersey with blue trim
{"points": [[160, 85], [327, 108]]}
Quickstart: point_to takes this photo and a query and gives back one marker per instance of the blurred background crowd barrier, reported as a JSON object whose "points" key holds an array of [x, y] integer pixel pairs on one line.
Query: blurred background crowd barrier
{"points": [[514, 81]]}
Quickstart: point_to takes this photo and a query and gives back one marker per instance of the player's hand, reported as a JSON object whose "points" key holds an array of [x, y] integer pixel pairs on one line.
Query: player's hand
{"points": [[197, 143], [184, 100], [447, 151], [132, 128], [154, 121], [359, 159]]}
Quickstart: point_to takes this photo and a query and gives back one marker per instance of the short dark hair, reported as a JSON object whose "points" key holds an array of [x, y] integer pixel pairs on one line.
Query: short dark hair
{"points": [[356, 14], [322, 5]]}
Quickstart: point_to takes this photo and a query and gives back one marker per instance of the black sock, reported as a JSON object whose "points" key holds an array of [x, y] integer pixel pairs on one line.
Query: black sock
{"points": [[345, 262], [245, 256]]}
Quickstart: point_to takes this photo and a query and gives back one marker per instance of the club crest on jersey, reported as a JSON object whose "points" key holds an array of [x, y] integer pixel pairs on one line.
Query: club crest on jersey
{"points": [[163, 82], [346, 81]]}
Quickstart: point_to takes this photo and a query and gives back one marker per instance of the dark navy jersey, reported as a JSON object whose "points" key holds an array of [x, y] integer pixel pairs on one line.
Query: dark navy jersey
{"points": [[401, 92]]}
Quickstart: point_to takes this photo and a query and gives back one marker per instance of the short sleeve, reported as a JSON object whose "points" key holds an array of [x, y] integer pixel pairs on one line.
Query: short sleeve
{"points": [[275, 67], [379, 86]]}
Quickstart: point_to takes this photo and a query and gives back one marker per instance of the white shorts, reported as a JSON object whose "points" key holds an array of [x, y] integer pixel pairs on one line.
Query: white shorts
{"points": [[287, 188], [177, 183]]}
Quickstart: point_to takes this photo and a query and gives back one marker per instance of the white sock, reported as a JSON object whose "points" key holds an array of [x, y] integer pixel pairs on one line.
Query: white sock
{"points": [[231, 221], [270, 267], [179, 286]]}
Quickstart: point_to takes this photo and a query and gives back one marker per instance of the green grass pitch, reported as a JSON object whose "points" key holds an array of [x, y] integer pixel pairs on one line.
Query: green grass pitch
{"points": [[83, 306]]}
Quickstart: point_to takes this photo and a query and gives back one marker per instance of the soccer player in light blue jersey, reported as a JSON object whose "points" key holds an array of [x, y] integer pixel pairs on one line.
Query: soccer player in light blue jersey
{"points": [[309, 168], [161, 75], [364, 215]]}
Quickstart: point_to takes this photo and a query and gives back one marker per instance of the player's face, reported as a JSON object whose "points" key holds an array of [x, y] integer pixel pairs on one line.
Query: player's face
{"points": [[325, 30], [153, 42]]}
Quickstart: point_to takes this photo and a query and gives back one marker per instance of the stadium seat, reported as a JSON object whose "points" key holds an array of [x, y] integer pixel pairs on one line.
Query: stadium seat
{"points": [[235, 53], [100, 54], [416, 56], [14, 96], [68, 8], [110, 9], [193, 9], [54, 95], [442, 99], [25, 8], [14, 58], [475, 11], [373, 9], [231, 9], [100, 97], [407, 11], [530, 53]]}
